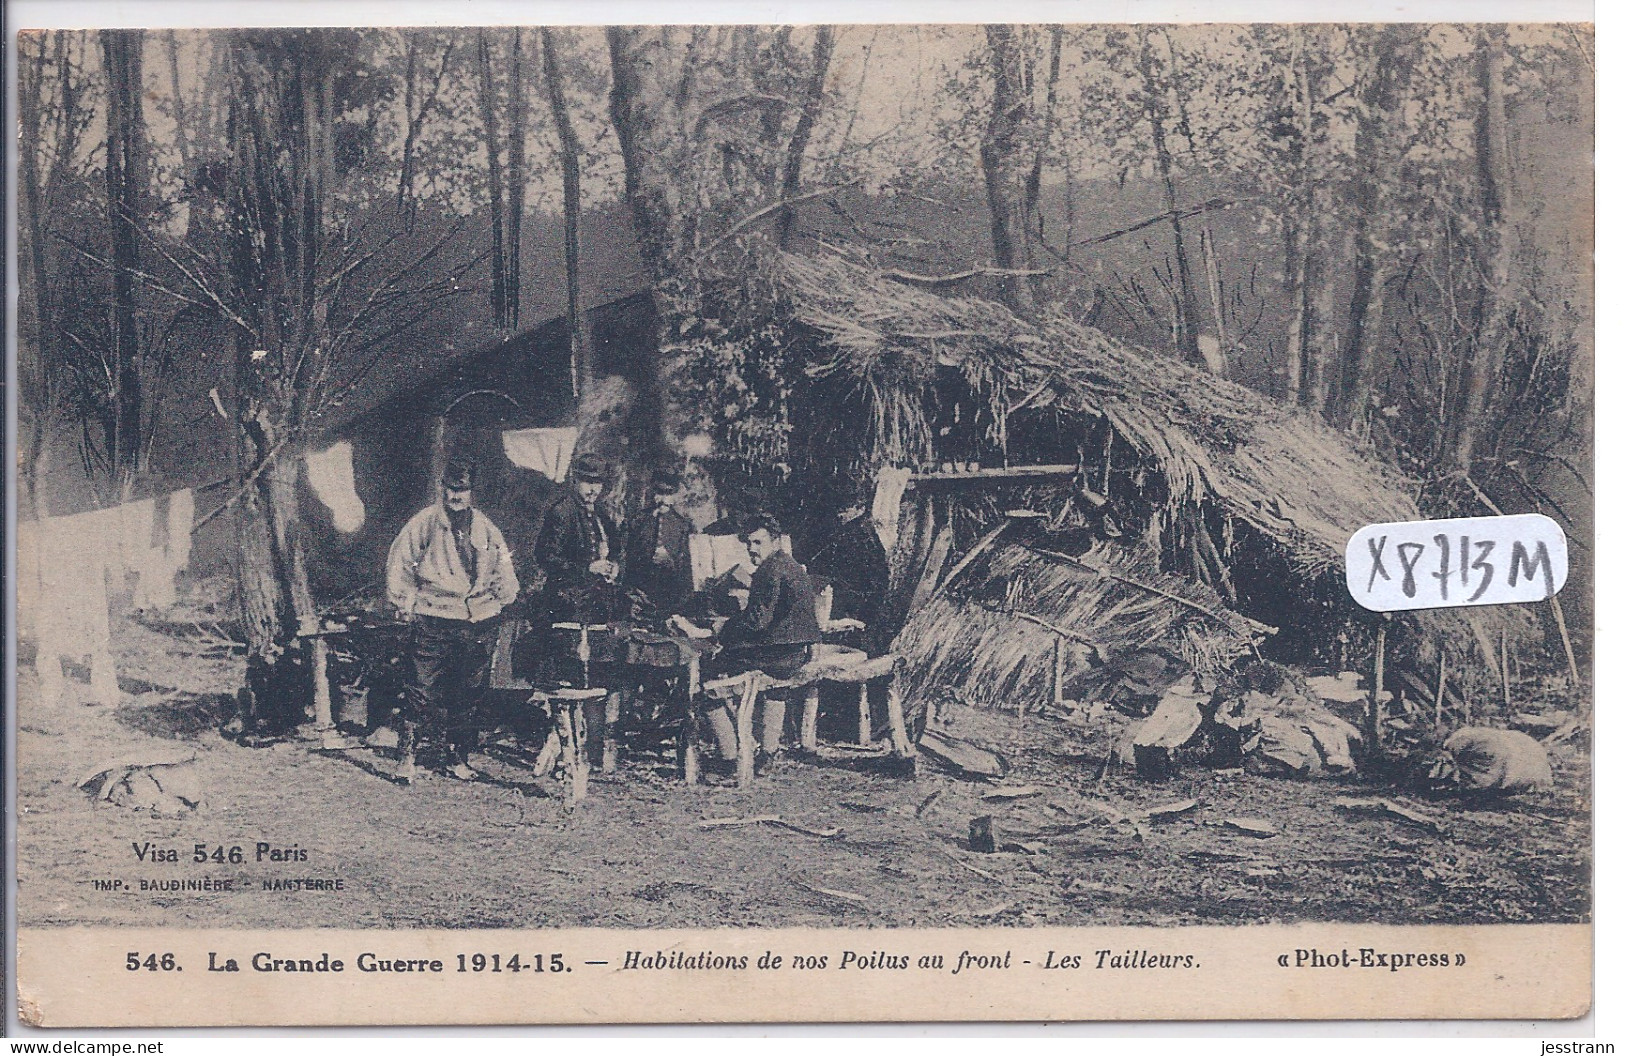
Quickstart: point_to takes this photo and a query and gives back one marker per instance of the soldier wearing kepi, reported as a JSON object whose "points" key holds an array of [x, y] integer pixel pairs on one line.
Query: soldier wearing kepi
{"points": [[450, 575], [575, 544], [657, 557]]}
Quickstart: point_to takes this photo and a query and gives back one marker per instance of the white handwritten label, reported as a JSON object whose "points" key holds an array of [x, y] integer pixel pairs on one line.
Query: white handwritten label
{"points": [[1462, 561]]}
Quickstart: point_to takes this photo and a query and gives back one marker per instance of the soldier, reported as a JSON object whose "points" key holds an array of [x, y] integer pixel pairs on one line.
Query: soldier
{"points": [[575, 541], [775, 634], [450, 575], [853, 559], [657, 558], [575, 544]]}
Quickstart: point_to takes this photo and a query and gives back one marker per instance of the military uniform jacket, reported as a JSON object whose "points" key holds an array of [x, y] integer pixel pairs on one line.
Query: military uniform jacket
{"points": [[781, 609], [657, 559], [567, 541]]}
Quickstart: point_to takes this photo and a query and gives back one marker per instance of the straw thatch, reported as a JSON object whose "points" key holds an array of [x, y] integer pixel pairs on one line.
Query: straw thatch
{"points": [[969, 636], [1216, 445], [1212, 440]]}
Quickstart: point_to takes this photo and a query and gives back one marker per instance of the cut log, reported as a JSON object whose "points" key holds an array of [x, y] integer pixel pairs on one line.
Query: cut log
{"points": [[1012, 792], [984, 834], [1171, 810], [962, 757]]}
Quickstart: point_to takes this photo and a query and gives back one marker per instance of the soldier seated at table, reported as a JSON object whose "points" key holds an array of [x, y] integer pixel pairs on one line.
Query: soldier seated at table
{"points": [[774, 634], [853, 559]]}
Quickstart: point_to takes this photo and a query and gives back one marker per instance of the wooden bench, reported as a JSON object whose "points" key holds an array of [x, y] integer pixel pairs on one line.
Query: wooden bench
{"points": [[831, 664], [839, 665]]}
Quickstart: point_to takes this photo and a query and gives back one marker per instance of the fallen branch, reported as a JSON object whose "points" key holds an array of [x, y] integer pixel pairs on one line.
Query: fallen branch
{"points": [[830, 833], [961, 276], [966, 865], [831, 892], [1391, 809]]}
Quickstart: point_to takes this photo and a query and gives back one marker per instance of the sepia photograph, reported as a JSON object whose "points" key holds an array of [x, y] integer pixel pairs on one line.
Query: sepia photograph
{"points": [[696, 495]]}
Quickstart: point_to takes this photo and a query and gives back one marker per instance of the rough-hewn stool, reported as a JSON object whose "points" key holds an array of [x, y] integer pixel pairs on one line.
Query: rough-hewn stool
{"points": [[738, 694], [566, 737]]}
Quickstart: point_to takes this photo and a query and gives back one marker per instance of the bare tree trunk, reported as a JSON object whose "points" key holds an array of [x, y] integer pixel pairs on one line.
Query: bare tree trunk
{"points": [[812, 102], [183, 146], [1299, 332], [1325, 349], [570, 161], [405, 204], [643, 111], [493, 168], [1005, 146], [420, 100], [1185, 331], [1031, 198], [40, 361], [1218, 360], [279, 129], [518, 110], [1371, 263], [632, 111], [1488, 347], [33, 356], [126, 179]]}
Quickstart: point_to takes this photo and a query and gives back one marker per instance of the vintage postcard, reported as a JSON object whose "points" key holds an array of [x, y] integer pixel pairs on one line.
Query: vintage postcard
{"points": [[824, 523]]}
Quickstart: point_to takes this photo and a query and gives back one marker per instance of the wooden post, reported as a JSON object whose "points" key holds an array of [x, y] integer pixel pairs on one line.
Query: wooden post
{"points": [[894, 715], [409, 750], [1373, 715], [579, 768], [1506, 675], [1568, 646], [324, 692], [864, 726], [745, 720], [809, 721], [688, 748], [810, 700], [1438, 694], [1057, 683]]}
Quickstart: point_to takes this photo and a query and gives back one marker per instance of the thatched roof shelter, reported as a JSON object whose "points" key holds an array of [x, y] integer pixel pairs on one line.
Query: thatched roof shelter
{"points": [[1212, 440], [1240, 470]]}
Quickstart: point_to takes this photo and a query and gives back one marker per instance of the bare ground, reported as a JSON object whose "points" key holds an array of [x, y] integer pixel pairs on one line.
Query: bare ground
{"points": [[500, 854]]}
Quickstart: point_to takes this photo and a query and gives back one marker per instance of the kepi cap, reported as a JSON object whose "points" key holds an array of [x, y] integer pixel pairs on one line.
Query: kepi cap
{"points": [[667, 480], [457, 476], [592, 468]]}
